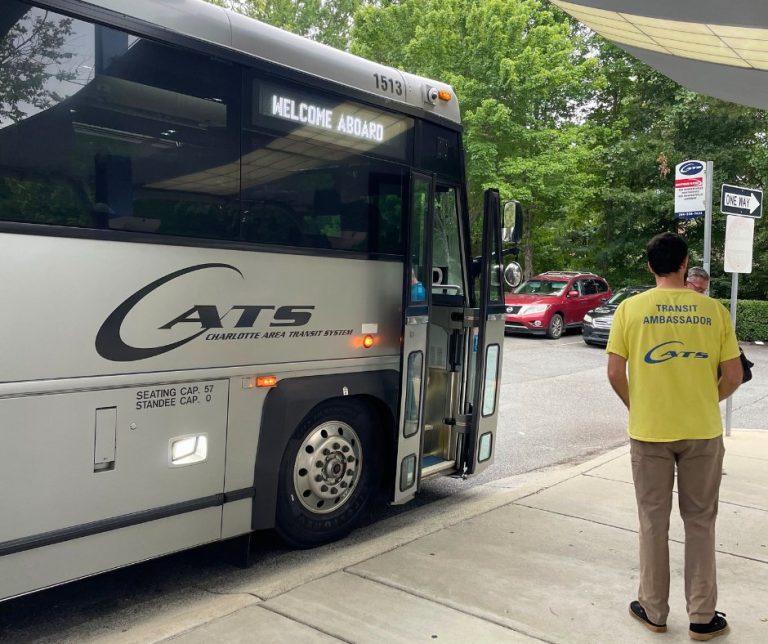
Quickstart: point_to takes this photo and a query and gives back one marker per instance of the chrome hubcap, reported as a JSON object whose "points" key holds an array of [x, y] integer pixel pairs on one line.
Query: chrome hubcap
{"points": [[327, 467]]}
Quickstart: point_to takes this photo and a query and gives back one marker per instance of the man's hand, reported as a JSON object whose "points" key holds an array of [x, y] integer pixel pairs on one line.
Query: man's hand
{"points": [[617, 376], [731, 375]]}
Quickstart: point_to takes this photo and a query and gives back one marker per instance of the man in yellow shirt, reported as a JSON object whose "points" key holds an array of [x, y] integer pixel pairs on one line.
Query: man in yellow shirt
{"points": [[672, 340]]}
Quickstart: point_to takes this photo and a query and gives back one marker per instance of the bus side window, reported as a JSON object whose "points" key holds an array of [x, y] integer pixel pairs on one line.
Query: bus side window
{"points": [[145, 135], [270, 224], [355, 220]]}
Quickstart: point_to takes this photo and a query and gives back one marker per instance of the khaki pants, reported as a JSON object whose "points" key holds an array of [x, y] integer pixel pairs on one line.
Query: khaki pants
{"points": [[699, 470]]}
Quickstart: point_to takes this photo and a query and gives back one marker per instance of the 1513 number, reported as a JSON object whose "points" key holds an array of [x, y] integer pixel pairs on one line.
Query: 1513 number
{"points": [[387, 84]]}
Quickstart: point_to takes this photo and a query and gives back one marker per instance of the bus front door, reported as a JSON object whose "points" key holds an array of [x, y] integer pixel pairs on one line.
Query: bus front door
{"points": [[415, 338], [488, 342]]}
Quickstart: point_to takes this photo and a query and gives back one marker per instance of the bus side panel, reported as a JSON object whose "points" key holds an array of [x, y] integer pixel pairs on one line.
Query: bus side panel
{"points": [[31, 570], [77, 461], [243, 434], [116, 308]]}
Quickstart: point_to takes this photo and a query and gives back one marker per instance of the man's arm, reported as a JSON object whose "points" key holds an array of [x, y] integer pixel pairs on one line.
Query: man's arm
{"points": [[730, 378], [617, 376]]}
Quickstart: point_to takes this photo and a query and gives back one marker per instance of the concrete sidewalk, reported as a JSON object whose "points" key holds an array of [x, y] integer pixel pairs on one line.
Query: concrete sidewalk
{"points": [[548, 557]]}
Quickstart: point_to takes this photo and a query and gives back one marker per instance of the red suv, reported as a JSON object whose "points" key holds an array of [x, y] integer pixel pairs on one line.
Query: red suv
{"points": [[549, 303]]}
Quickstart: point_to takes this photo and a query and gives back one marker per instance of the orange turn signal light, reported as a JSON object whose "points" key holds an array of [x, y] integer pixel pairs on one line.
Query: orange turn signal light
{"points": [[368, 341], [266, 381], [444, 95]]}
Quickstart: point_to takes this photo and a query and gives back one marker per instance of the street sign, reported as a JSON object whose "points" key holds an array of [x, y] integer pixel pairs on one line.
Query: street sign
{"points": [[690, 189], [739, 237], [746, 202]]}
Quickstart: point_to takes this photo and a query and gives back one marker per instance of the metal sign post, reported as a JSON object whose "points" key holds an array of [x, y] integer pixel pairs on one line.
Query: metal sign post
{"points": [[734, 298], [708, 217], [739, 239]]}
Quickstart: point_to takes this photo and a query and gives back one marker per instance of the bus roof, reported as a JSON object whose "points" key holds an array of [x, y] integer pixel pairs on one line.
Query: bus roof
{"points": [[207, 22]]}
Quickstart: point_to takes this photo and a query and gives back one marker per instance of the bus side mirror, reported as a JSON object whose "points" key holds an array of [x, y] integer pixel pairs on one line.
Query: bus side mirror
{"points": [[512, 226], [513, 274]]}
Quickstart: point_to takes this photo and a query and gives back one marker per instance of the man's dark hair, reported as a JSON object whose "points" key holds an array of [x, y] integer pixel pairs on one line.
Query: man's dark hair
{"points": [[666, 253]]}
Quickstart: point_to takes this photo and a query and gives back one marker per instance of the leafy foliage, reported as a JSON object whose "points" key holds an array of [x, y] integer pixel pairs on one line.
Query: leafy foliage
{"points": [[327, 21], [28, 51], [582, 134], [521, 72], [751, 319], [649, 124]]}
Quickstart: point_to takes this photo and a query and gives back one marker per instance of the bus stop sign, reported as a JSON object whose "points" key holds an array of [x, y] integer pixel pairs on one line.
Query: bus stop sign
{"points": [[746, 202]]}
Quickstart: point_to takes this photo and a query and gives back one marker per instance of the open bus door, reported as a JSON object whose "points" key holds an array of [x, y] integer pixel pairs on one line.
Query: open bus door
{"points": [[418, 274], [488, 343]]}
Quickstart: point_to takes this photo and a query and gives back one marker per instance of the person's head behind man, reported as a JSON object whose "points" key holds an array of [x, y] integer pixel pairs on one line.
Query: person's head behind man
{"points": [[698, 279], [667, 254]]}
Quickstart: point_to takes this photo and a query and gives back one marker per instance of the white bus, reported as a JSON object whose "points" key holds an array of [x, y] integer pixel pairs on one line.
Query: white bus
{"points": [[238, 291]]}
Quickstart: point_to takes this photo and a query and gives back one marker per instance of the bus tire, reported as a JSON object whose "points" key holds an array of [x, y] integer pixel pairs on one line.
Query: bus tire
{"points": [[329, 474]]}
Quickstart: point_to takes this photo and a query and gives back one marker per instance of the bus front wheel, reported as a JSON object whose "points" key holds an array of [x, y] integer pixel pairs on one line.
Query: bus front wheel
{"points": [[328, 475]]}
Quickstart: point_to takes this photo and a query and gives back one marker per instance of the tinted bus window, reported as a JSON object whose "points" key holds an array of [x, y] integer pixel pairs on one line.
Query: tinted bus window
{"points": [[114, 131], [307, 177], [311, 200], [438, 149]]}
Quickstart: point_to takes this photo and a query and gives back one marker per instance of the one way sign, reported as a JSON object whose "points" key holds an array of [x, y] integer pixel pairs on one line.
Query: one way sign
{"points": [[735, 200]]}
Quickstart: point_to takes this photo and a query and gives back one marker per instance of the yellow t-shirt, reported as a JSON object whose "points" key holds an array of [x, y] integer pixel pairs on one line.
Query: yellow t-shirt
{"points": [[673, 340]]}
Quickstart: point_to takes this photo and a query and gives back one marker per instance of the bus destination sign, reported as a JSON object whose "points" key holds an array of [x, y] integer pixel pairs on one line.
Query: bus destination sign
{"points": [[343, 123], [309, 114]]}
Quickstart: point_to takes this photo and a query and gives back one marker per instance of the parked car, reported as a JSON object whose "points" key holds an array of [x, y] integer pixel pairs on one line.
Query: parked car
{"points": [[550, 302], [597, 322]]}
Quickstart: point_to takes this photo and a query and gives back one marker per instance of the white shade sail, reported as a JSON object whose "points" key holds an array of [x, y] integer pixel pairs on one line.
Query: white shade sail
{"points": [[713, 47]]}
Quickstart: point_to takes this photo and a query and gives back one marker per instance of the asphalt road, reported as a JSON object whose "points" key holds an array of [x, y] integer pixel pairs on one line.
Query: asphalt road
{"points": [[556, 406]]}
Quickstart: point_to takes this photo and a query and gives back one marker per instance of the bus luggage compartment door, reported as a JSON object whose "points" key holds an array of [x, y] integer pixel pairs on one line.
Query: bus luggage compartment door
{"points": [[115, 476]]}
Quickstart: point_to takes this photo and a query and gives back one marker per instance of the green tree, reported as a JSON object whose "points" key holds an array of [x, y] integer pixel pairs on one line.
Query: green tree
{"points": [[30, 57], [582, 134], [326, 21], [521, 72], [649, 124]]}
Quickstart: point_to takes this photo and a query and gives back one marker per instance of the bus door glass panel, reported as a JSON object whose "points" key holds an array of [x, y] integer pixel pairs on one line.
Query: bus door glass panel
{"points": [[447, 339], [418, 270], [488, 341], [447, 273]]}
